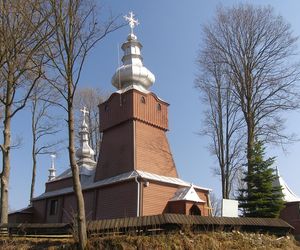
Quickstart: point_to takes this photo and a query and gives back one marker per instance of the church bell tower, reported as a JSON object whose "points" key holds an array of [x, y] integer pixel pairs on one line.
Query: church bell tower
{"points": [[134, 121]]}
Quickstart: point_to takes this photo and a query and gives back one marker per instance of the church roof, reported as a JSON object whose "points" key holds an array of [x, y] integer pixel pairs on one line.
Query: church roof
{"points": [[89, 183], [166, 179], [83, 170], [187, 194], [288, 194]]}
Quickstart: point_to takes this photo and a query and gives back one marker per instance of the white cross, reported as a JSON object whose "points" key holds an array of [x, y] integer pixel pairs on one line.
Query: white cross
{"points": [[131, 21], [84, 111]]}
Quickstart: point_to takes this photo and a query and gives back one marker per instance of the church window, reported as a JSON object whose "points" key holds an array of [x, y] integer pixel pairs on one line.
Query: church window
{"points": [[143, 100], [106, 107], [158, 107], [53, 207]]}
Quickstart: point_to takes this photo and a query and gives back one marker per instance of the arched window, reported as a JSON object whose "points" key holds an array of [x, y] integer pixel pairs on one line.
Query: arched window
{"points": [[194, 210], [143, 100], [106, 107]]}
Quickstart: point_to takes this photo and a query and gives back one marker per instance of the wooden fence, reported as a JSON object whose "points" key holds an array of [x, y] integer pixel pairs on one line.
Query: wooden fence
{"points": [[153, 224]]}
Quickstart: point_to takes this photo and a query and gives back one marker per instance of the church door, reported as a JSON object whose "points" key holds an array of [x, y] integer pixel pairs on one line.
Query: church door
{"points": [[194, 210]]}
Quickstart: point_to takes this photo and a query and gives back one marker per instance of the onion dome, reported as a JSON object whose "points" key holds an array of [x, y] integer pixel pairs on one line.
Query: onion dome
{"points": [[52, 170], [85, 153], [132, 72]]}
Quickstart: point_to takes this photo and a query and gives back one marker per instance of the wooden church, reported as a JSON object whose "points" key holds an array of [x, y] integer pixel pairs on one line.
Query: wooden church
{"points": [[135, 174], [291, 211]]}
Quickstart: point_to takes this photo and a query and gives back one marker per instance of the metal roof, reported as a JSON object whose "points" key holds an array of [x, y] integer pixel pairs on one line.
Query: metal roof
{"points": [[288, 194], [170, 180], [89, 182], [187, 194]]}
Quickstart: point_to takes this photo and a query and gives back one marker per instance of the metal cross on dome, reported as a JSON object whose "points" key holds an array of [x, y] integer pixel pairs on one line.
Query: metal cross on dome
{"points": [[131, 21], [84, 112]]}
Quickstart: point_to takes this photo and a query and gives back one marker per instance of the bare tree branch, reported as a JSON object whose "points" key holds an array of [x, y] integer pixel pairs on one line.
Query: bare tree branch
{"points": [[23, 29], [254, 49]]}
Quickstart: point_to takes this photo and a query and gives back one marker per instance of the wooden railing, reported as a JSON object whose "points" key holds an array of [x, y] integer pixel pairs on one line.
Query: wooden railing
{"points": [[149, 225]]}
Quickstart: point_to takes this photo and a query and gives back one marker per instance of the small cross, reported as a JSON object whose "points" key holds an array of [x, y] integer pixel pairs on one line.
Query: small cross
{"points": [[84, 111], [131, 21]]}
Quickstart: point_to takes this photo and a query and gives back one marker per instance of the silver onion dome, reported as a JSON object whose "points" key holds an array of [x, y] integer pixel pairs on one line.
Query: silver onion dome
{"points": [[84, 152], [132, 72]]}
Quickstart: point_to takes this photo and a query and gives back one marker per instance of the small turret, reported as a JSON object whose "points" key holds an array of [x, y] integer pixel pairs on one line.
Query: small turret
{"points": [[85, 153], [52, 170]]}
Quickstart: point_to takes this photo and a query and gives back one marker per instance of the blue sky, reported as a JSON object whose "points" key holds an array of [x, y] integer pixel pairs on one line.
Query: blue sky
{"points": [[170, 32]]}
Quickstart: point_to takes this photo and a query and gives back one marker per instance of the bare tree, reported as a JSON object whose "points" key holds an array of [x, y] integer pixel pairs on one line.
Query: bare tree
{"points": [[215, 205], [222, 122], [23, 30], [256, 49], [76, 33], [90, 98], [44, 125]]}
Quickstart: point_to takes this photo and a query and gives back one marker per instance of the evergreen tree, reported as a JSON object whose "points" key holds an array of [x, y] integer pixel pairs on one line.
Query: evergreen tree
{"points": [[260, 198]]}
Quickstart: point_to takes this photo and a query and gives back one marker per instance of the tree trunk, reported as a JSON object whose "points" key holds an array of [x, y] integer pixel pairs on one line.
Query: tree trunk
{"points": [[82, 235], [250, 142], [33, 171], [6, 149], [250, 148], [223, 180], [5, 172], [33, 130], [6, 165]]}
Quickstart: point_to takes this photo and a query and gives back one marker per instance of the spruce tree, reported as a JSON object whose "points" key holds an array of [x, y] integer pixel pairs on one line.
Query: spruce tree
{"points": [[260, 198]]}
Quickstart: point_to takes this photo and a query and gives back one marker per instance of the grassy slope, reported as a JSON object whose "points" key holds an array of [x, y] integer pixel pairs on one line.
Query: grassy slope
{"points": [[209, 240]]}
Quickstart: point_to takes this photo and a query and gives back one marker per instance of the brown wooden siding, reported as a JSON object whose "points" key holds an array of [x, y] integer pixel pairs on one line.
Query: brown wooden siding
{"points": [[89, 201], [59, 184], [117, 201], [153, 152], [127, 106], [156, 197], [39, 208], [148, 112], [117, 109], [134, 136], [291, 214], [24, 216], [177, 207], [116, 152], [205, 210], [183, 207], [69, 208]]}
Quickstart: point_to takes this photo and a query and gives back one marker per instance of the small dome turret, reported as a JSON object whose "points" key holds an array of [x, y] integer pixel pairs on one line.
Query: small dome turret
{"points": [[85, 153], [132, 72], [52, 170]]}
